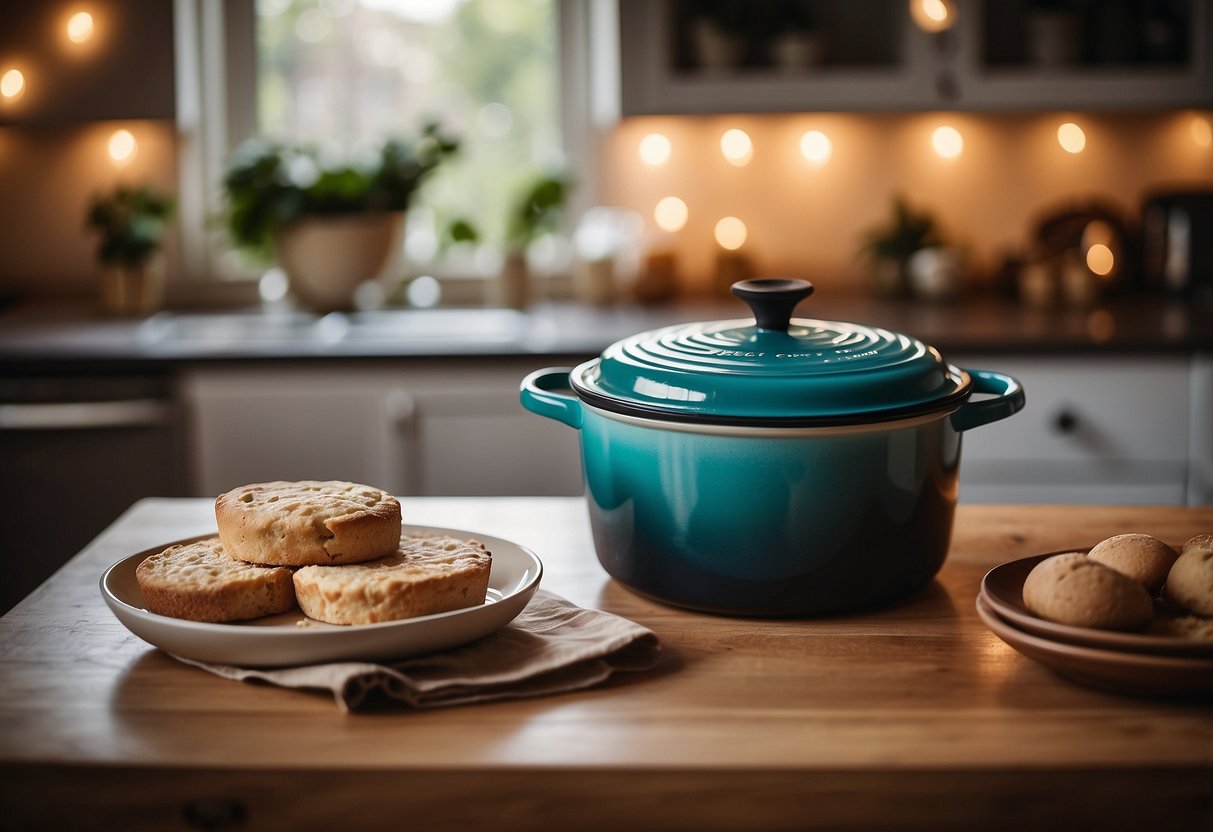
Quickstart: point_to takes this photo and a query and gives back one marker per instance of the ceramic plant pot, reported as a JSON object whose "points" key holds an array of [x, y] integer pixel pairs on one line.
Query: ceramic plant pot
{"points": [[133, 291], [771, 467], [326, 258]]}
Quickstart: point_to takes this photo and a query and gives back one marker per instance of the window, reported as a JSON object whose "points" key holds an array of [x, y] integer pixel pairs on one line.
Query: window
{"points": [[510, 78], [347, 73]]}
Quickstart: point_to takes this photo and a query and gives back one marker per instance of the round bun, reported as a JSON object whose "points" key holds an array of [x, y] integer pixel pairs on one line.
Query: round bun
{"points": [[1202, 542], [199, 582], [1073, 589], [1141, 557], [1190, 583], [425, 575], [308, 523]]}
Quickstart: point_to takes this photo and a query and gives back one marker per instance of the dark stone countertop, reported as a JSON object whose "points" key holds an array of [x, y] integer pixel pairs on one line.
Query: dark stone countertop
{"points": [[46, 337]]}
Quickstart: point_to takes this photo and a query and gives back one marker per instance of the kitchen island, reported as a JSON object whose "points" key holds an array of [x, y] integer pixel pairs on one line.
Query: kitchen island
{"points": [[910, 717]]}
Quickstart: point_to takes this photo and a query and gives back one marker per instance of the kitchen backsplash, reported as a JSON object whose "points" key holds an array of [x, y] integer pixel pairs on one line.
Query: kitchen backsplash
{"points": [[806, 217], [801, 217]]}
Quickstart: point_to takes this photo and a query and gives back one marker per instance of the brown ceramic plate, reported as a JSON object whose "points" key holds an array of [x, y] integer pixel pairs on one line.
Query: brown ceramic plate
{"points": [[1002, 589], [1115, 670]]}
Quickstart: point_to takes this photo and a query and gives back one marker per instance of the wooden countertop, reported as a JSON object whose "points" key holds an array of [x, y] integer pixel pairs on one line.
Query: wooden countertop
{"points": [[911, 717]]}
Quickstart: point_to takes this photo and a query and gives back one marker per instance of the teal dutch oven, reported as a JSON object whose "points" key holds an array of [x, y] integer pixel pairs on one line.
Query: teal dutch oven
{"points": [[775, 467]]}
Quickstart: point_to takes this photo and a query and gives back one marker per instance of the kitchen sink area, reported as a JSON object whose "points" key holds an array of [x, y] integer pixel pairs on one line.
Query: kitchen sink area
{"points": [[170, 333]]}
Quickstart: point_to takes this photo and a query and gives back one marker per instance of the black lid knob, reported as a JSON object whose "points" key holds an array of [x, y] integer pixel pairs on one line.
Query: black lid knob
{"points": [[773, 300]]}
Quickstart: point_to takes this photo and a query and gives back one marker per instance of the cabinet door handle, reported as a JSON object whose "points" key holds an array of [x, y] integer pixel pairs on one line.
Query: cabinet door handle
{"points": [[1066, 421], [130, 413], [215, 814], [400, 407]]}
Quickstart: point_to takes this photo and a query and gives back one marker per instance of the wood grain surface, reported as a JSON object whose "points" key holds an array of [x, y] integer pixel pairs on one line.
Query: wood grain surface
{"points": [[912, 717]]}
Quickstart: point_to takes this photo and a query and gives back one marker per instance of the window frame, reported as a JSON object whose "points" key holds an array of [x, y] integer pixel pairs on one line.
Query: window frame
{"points": [[216, 111]]}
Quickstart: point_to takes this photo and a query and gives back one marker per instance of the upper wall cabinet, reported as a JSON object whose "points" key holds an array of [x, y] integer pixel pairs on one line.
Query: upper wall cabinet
{"points": [[712, 56], [68, 62]]}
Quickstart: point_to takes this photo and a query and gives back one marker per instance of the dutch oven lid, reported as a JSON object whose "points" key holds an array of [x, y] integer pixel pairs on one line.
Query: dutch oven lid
{"points": [[773, 370]]}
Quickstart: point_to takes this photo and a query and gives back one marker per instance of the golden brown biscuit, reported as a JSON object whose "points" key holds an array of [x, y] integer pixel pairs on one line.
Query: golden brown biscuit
{"points": [[426, 575], [1190, 582], [1143, 558], [307, 523], [199, 582], [1073, 589]]}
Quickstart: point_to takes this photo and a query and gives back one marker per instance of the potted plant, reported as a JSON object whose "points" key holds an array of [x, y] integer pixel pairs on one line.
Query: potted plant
{"points": [[890, 248], [130, 223], [329, 226], [539, 210]]}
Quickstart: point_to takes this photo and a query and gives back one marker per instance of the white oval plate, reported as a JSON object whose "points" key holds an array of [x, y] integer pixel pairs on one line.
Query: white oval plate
{"points": [[282, 640]]}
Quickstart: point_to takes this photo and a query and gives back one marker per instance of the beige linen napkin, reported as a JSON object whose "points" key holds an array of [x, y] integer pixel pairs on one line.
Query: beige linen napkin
{"points": [[553, 646]]}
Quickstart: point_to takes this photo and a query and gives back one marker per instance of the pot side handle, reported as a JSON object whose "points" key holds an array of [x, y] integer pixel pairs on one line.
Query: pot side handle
{"points": [[1008, 398], [539, 395]]}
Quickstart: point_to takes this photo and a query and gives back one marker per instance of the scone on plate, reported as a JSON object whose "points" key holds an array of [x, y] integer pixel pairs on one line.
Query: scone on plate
{"points": [[425, 575], [1074, 589], [307, 523], [199, 582], [1143, 558], [1190, 582]]}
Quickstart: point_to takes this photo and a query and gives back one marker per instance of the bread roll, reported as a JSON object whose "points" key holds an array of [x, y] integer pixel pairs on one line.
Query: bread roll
{"points": [[1076, 590], [1203, 542], [307, 523], [199, 582], [1190, 582], [1141, 557], [425, 575]]}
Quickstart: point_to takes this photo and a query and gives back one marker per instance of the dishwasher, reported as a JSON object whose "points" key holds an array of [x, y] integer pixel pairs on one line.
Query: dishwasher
{"points": [[77, 451]]}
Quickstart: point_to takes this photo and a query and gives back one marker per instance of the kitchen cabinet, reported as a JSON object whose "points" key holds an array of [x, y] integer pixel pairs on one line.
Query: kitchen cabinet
{"points": [[1096, 429], [1003, 55], [436, 427], [76, 452]]}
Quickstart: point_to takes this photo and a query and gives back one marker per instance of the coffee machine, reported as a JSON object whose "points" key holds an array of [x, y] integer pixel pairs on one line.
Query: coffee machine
{"points": [[1177, 243]]}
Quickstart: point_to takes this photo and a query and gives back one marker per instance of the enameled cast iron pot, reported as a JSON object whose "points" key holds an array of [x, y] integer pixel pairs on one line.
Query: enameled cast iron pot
{"points": [[771, 467]]}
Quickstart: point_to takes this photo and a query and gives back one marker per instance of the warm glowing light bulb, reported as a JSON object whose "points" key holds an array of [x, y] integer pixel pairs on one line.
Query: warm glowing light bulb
{"points": [[1201, 131], [1100, 259], [933, 15], [655, 149], [731, 233], [122, 146], [80, 27], [670, 214], [12, 83], [1071, 137], [737, 147], [947, 142], [816, 146]]}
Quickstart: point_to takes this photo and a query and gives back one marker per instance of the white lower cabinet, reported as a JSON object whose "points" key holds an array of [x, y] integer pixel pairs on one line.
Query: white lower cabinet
{"points": [[438, 428], [1096, 429]]}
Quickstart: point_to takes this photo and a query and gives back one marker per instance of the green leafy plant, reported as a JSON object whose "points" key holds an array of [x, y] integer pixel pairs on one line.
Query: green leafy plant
{"points": [[908, 231], [539, 209], [131, 223], [460, 230], [271, 185]]}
